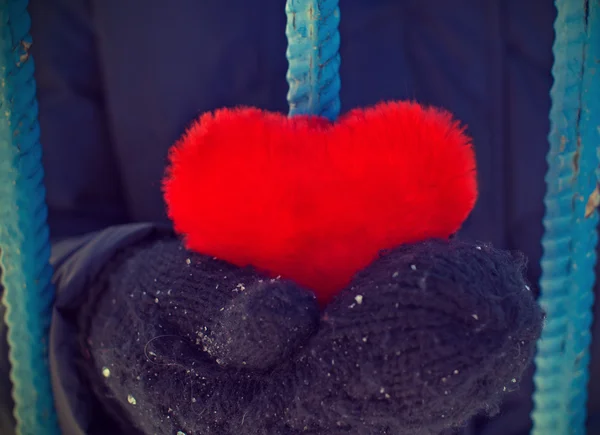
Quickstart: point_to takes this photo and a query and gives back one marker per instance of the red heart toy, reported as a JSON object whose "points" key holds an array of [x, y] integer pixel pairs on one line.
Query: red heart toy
{"points": [[315, 201]]}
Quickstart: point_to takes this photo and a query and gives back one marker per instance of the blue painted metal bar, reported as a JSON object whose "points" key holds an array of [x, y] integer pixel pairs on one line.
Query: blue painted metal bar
{"points": [[571, 220], [313, 57], [24, 245]]}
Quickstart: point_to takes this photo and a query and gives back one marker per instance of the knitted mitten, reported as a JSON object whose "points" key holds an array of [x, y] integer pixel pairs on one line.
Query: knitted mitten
{"points": [[425, 337]]}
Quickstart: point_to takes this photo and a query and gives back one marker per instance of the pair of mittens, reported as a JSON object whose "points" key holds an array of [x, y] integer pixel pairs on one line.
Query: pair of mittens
{"points": [[426, 336]]}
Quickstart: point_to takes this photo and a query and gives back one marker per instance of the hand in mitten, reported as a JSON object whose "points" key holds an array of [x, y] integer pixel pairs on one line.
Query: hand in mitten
{"points": [[422, 339], [175, 339]]}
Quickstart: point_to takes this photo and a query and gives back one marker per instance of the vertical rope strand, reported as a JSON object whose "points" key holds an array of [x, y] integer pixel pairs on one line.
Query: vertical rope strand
{"points": [[24, 245], [313, 57], [570, 223]]}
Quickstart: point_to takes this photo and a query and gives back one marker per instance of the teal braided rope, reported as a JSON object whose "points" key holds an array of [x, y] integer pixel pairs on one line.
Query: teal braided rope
{"points": [[570, 224], [313, 57], [24, 245]]}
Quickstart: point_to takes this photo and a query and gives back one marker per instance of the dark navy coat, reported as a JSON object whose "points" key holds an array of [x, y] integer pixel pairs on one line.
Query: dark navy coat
{"points": [[119, 81]]}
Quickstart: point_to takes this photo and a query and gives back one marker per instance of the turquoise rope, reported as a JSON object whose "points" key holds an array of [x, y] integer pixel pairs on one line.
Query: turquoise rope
{"points": [[313, 57], [24, 246], [570, 224]]}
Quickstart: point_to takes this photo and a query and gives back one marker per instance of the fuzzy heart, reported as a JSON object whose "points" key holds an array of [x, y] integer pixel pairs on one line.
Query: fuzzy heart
{"points": [[315, 201]]}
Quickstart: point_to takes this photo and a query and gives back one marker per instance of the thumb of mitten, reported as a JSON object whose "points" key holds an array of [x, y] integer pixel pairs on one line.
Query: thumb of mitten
{"points": [[265, 323]]}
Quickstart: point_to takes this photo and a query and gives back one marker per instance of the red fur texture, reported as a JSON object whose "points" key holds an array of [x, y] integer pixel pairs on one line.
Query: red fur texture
{"points": [[315, 201]]}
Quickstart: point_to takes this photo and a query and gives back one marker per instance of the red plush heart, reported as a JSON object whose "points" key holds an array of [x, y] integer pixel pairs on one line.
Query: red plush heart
{"points": [[315, 201]]}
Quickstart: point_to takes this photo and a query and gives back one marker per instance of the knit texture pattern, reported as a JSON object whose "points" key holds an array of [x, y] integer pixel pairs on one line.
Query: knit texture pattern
{"points": [[423, 339]]}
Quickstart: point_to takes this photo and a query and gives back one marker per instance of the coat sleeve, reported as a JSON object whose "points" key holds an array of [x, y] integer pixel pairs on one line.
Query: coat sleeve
{"points": [[81, 172], [77, 263]]}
